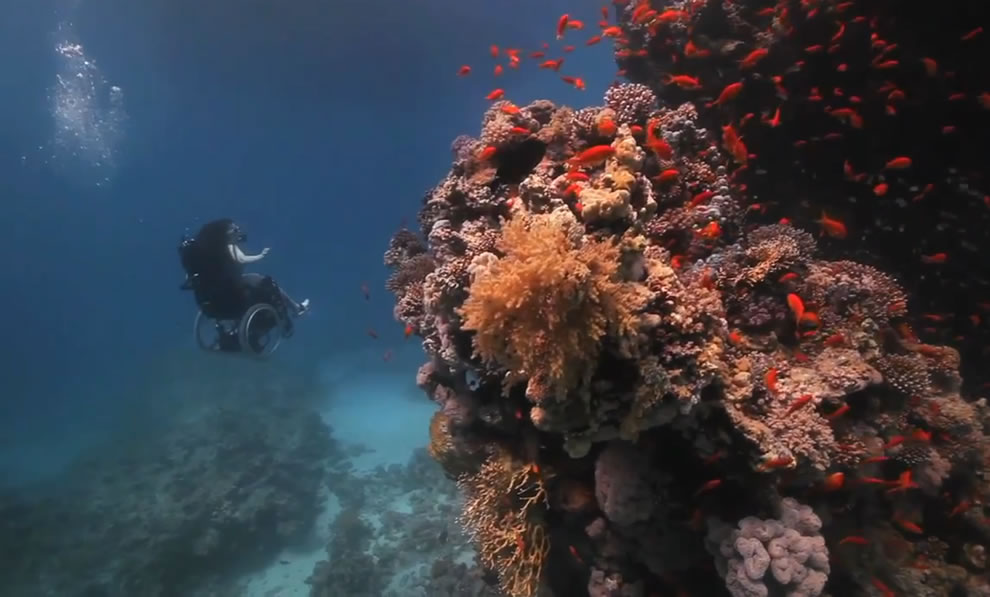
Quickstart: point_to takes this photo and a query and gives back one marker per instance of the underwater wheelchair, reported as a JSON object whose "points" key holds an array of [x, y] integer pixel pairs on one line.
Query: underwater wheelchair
{"points": [[234, 317]]}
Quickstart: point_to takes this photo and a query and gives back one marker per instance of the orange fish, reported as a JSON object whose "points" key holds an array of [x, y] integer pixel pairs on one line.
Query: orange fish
{"points": [[668, 175], [838, 412], [408, 331], [682, 81], [753, 58], [562, 25], [899, 163], [778, 462], [770, 378], [798, 403], [775, 121], [592, 155], [701, 198], [961, 508], [487, 153], [606, 127], [834, 482], [464, 71], [577, 82], [796, 305], [575, 24], [834, 228], [495, 95], [593, 40], [894, 442], [552, 64], [937, 258], [711, 231], [909, 526], [710, 485], [835, 340], [728, 94], [972, 34]]}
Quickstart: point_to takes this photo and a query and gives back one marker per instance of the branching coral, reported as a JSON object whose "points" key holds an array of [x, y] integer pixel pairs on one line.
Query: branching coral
{"points": [[542, 311], [503, 507]]}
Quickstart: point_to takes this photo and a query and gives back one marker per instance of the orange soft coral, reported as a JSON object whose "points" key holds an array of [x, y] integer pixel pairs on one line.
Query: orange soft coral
{"points": [[542, 311]]}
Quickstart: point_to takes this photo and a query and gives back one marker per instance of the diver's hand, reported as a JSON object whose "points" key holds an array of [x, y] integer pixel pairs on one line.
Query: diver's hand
{"points": [[264, 252]]}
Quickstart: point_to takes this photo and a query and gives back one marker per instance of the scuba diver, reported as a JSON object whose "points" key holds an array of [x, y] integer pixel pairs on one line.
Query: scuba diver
{"points": [[214, 264]]}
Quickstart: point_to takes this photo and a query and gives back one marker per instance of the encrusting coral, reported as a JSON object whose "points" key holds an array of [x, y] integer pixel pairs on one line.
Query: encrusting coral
{"points": [[623, 333]]}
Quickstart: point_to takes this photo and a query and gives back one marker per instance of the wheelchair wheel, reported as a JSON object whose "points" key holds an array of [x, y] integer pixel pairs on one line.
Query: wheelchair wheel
{"points": [[260, 331]]}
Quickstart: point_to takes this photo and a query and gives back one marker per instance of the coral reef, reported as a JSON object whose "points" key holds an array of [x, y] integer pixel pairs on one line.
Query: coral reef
{"points": [[616, 352], [176, 512]]}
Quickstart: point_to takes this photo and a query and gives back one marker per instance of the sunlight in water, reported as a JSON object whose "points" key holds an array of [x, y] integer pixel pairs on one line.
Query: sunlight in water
{"points": [[88, 114]]}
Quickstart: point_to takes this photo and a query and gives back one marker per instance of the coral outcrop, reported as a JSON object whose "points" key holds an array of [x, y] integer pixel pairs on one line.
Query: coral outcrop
{"points": [[619, 356]]}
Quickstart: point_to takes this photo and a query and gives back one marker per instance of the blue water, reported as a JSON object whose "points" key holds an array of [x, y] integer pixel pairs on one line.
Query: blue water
{"points": [[316, 125]]}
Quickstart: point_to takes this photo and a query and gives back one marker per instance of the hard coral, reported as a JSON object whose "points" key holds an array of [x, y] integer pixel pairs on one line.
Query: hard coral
{"points": [[788, 553], [542, 311]]}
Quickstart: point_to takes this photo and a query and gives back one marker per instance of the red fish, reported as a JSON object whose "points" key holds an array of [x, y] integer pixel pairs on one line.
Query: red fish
{"points": [[972, 34], [682, 81], [592, 155], [798, 403], [796, 305], [607, 127], [731, 91], [881, 189], [495, 95], [464, 71], [562, 25], [770, 378], [834, 482], [487, 153], [936, 259], [408, 331], [899, 163], [753, 58], [834, 228], [838, 412], [710, 485], [854, 539]]}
